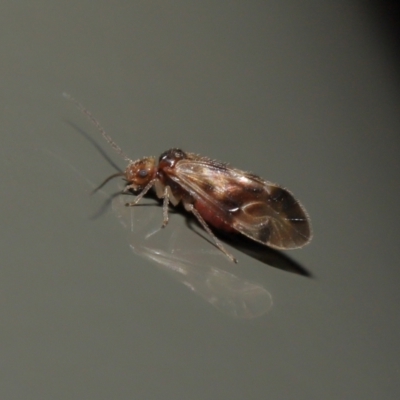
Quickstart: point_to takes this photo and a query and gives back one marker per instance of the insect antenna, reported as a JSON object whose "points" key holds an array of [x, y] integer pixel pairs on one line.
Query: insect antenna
{"points": [[106, 181], [96, 123]]}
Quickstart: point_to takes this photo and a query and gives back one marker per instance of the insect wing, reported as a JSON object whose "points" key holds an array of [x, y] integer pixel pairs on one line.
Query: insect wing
{"points": [[261, 210]]}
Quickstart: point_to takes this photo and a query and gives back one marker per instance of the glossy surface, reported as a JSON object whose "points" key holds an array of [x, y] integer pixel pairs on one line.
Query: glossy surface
{"points": [[304, 94]]}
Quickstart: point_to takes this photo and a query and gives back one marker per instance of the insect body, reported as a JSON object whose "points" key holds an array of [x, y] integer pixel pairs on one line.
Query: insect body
{"points": [[225, 198]]}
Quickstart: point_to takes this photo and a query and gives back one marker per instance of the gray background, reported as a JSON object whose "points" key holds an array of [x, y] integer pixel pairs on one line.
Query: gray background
{"points": [[303, 93]]}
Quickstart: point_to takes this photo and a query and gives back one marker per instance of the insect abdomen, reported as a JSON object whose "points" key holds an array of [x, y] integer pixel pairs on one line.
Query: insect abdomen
{"points": [[213, 217]]}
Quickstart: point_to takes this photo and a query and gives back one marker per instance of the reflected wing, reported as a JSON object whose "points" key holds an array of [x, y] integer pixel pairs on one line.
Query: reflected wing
{"points": [[261, 210], [181, 258], [228, 293]]}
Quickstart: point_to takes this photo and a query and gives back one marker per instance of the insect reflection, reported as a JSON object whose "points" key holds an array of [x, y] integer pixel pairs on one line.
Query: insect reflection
{"points": [[177, 256]]}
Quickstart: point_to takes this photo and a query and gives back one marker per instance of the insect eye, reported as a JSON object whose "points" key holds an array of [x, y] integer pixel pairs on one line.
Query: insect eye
{"points": [[143, 173]]}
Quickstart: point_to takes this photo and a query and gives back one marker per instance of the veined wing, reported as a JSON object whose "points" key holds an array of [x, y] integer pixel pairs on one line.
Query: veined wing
{"points": [[261, 210]]}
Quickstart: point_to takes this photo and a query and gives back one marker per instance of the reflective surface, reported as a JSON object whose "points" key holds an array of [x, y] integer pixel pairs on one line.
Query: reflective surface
{"points": [[195, 268], [96, 302]]}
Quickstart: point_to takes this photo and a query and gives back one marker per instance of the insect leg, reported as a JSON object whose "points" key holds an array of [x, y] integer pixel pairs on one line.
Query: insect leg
{"points": [[203, 223], [165, 207], [140, 195]]}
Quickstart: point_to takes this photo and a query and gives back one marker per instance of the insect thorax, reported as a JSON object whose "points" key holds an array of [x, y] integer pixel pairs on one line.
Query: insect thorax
{"points": [[170, 157]]}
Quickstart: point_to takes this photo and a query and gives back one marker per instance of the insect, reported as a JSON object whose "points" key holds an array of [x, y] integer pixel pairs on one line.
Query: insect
{"points": [[218, 195]]}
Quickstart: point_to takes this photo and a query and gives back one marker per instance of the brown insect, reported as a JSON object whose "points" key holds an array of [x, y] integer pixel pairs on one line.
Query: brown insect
{"points": [[218, 195]]}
